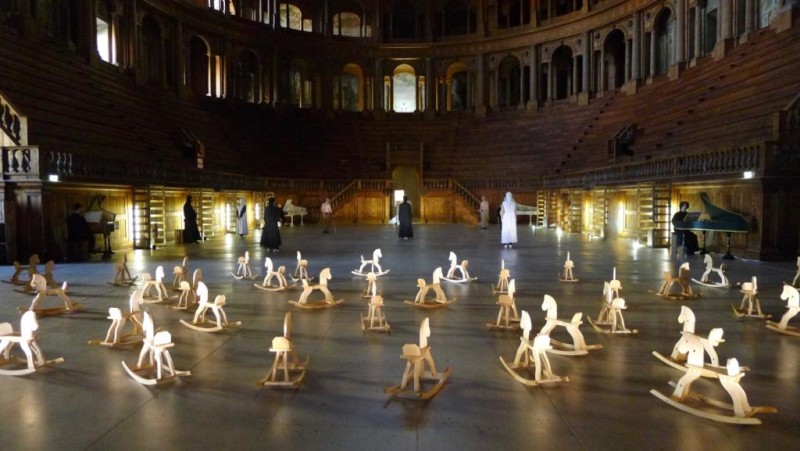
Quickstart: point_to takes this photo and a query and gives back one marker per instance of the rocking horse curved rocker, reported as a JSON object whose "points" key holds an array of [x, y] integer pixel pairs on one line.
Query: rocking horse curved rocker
{"points": [[244, 271], [202, 324], [437, 302], [279, 276], [155, 348], [792, 298], [26, 339], [39, 284], [458, 273], [374, 265], [578, 346], [719, 271], [531, 357], [286, 362], [327, 302], [420, 368], [508, 306]]}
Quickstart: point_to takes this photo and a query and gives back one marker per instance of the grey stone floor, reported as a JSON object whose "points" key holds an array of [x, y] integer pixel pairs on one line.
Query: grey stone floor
{"points": [[89, 402]]}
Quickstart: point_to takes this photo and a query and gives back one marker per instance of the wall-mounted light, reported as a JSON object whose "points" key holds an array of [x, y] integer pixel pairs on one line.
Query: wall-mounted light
{"points": [[53, 178], [748, 174]]}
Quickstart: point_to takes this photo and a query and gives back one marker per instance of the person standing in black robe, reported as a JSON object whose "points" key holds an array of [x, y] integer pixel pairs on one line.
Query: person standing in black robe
{"points": [[404, 219], [191, 234], [270, 234]]}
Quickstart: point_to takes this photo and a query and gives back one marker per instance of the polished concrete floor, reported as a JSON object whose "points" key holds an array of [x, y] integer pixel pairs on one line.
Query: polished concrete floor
{"points": [[89, 402]]}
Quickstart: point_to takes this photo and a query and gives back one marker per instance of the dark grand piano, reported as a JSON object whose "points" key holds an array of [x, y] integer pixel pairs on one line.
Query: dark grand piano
{"points": [[714, 219]]}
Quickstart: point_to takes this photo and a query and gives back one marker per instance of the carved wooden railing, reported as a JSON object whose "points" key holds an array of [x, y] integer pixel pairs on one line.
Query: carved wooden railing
{"points": [[354, 187], [12, 122], [21, 163], [460, 190]]}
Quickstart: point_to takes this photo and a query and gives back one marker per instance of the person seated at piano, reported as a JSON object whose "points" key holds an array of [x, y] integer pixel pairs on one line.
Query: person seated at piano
{"points": [[191, 233], [685, 240], [80, 239]]}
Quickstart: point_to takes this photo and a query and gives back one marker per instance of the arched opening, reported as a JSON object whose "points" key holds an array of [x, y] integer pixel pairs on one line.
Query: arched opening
{"points": [[665, 42], [199, 66], [291, 17], [404, 89], [406, 178], [767, 10], [614, 49], [348, 89], [301, 94], [248, 88], [562, 72], [151, 49], [105, 32], [457, 82], [347, 24], [508, 82]]}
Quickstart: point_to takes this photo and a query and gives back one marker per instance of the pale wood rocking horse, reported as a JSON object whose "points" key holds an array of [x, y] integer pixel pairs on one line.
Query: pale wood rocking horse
{"points": [[279, 275], [420, 367], [751, 305], [790, 295], [244, 271], [39, 284], [439, 301], [682, 280], [463, 272], [180, 274], [375, 319], [115, 337], [502, 279], [371, 289], [156, 283], [610, 319], [188, 296], [567, 275], [155, 348], [531, 356], [719, 271], [286, 362], [683, 398], [123, 277], [374, 265], [301, 270], [327, 302], [508, 306], [26, 339], [578, 346], [33, 269], [202, 324]]}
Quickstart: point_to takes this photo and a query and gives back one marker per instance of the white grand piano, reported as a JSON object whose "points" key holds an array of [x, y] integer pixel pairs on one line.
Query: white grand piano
{"points": [[527, 210], [291, 210]]}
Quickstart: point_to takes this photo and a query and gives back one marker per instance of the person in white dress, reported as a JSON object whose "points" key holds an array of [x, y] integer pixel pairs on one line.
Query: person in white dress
{"points": [[508, 214], [241, 218]]}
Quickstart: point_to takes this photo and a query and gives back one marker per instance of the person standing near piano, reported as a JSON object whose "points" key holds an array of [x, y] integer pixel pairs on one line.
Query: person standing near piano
{"points": [[685, 240], [191, 233]]}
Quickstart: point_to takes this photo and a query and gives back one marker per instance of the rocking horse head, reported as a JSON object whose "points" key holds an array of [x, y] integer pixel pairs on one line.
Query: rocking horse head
{"points": [[159, 273], [424, 333], [202, 292], [732, 367], [715, 336], [791, 295], [38, 282], [525, 323], [287, 325], [135, 300], [683, 269], [33, 260], [247, 256], [147, 326], [708, 261], [268, 264], [324, 276], [197, 276], [549, 305], [687, 318], [376, 255], [437, 275], [453, 259], [512, 288]]}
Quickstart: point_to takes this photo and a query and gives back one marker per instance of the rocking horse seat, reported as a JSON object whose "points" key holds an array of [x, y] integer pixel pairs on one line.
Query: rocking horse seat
{"points": [[282, 347]]}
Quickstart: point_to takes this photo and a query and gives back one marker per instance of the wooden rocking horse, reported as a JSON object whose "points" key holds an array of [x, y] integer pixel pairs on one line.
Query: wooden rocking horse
{"points": [[439, 301], [578, 346], [610, 319], [681, 280], [508, 306], [202, 324], [33, 269], [790, 295], [155, 348], [532, 357], [420, 367], [719, 271], [567, 275], [180, 274], [188, 296], [374, 265], [371, 289], [683, 398], [502, 279], [461, 269], [115, 337], [26, 339], [751, 305], [286, 362], [15, 278], [123, 277], [322, 287], [375, 319], [49, 276], [279, 275], [39, 284], [244, 271], [156, 283], [301, 270]]}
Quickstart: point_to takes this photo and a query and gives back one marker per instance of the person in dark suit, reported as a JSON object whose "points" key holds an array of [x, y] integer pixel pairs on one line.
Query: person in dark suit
{"points": [[191, 234], [404, 219], [270, 234]]}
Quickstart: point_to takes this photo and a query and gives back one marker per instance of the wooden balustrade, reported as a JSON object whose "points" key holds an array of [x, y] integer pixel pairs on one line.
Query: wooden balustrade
{"points": [[12, 122]]}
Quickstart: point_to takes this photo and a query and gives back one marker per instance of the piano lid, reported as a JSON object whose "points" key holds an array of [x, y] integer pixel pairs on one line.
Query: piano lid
{"points": [[715, 218]]}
